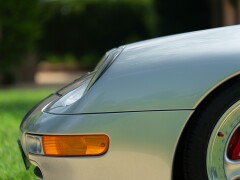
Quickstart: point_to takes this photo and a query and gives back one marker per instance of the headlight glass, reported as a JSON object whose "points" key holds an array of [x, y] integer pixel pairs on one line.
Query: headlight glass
{"points": [[76, 83], [72, 96], [33, 144]]}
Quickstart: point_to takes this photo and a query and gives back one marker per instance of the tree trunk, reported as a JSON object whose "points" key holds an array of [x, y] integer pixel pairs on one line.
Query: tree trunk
{"points": [[28, 68]]}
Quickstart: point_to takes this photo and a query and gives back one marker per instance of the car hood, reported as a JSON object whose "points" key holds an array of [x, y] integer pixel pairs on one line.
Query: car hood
{"points": [[190, 40], [169, 73]]}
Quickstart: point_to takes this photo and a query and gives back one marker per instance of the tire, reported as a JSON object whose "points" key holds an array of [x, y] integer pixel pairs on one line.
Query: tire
{"points": [[206, 141]]}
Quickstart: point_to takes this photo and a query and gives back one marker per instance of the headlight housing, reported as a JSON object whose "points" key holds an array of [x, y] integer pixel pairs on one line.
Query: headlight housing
{"points": [[71, 97], [33, 144], [77, 89]]}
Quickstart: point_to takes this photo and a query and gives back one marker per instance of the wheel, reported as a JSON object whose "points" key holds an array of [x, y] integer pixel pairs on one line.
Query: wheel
{"points": [[211, 147]]}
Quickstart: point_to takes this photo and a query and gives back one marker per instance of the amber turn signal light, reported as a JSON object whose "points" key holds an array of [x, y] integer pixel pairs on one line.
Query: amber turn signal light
{"points": [[75, 145]]}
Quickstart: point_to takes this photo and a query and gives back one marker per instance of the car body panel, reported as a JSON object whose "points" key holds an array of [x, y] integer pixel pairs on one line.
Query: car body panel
{"points": [[142, 101], [168, 73], [138, 150]]}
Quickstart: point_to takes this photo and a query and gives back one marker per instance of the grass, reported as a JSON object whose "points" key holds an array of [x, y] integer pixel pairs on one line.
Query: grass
{"points": [[14, 104]]}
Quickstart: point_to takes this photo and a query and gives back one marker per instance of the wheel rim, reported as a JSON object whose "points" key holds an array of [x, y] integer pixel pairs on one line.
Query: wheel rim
{"points": [[223, 148]]}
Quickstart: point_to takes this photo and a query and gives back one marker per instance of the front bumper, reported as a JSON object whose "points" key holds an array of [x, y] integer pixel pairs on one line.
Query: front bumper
{"points": [[142, 144], [24, 157]]}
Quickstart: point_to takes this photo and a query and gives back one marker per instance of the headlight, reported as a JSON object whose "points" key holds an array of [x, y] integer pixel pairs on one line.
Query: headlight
{"points": [[70, 97], [76, 83], [77, 89], [33, 144]]}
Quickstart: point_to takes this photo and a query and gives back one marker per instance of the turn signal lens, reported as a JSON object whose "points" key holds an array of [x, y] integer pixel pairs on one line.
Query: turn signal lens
{"points": [[75, 145]]}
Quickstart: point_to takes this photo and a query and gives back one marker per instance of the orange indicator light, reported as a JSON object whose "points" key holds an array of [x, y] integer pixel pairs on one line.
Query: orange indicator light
{"points": [[75, 145]]}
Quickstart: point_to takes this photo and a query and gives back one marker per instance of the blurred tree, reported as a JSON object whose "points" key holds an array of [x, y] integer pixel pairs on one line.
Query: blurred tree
{"points": [[235, 2], [236, 10], [88, 28], [19, 30], [182, 16]]}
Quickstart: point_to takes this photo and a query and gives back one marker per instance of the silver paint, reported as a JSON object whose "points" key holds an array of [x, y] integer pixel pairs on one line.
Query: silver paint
{"points": [[174, 72], [142, 145], [161, 81]]}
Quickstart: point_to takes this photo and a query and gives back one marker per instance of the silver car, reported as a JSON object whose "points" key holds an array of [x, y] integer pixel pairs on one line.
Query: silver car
{"points": [[166, 108]]}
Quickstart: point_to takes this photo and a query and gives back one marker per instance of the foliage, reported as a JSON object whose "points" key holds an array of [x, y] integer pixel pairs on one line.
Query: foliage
{"points": [[182, 16], [88, 28], [83, 28], [19, 30], [235, 2], [13, 105]]}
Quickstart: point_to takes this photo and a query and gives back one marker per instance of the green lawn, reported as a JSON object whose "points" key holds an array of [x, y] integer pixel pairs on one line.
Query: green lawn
{"points": [[14, 104]]}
